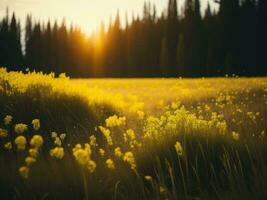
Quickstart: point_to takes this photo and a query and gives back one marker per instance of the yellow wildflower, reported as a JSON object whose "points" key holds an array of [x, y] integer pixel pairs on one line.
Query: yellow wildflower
{"points": [[21, 142], [261, 136], [8, 119], [87, 147], [63, 76], [24, 171], [114, 121], [91, 165], [3, 132], [62, 136], [235, 135], [57, 141], [148, 178], [37, 141], [81, 156], [8, 146], [117, 152], [129, 158], [174, 105], [33, 152], [93, 142], [29, 160], [207, 108], [57, 152], [101, 152], [162, 189], [77, 147], [140, 114], [178, 148], [106, 133], [110, 164], [36, 124], [130, 133], [53, 135], [20, 128]]}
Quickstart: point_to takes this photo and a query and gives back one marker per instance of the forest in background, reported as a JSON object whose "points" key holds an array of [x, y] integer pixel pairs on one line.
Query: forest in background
{"points": [[232, 40]]}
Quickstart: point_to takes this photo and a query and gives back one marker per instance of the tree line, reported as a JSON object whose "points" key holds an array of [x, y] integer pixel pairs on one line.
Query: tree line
{"points": [[231, 40]]}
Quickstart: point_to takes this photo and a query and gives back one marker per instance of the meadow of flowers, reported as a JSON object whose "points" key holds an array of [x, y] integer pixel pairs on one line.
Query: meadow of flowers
{"points": [[132, 138]]}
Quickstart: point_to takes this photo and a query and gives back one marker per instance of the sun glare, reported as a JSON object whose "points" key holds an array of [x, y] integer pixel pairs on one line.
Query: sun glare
{"points": [[87, 14]]}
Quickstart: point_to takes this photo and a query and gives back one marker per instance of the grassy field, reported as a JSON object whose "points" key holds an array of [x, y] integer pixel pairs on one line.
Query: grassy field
{"points": [[132, 138]]}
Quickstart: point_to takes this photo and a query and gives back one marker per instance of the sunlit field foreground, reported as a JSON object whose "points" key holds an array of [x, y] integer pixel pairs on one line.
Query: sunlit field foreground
{"points": [[132, 138]]}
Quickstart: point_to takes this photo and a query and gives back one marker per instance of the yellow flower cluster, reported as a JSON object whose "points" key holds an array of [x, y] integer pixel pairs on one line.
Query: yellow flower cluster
{"points": [[53, 135], [57, 141], [114, 121], [117, 152], [140, 114], [101, 152], [36, 124], [92, 140], [178, 148], [33, 152], [8, 119], [24, 171], [62, 136], [235, 135], [106, 133], [21, 128], [148, 178], [129, 158], [91, 166], [130, 137], [3, 132], [21, 142], [30, 160], [36, 141], [8, 145], [110, 164], [83, 156], [171, 122], [57, 152]]}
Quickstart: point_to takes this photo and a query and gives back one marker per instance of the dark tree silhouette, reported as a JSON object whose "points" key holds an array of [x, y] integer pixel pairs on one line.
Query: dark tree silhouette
{"points": [[171, 44]]}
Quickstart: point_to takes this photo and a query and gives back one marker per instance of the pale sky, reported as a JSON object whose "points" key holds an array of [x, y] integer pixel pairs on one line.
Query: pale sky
{"points": [[84, 13]]}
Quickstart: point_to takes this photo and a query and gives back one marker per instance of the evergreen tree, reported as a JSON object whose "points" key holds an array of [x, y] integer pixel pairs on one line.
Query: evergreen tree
{"points": [[232, 40], [4, 41], [262, 35], [181, 57], [47, 45], [171, 34], [29, 51], [164, 59], [15, 44]]}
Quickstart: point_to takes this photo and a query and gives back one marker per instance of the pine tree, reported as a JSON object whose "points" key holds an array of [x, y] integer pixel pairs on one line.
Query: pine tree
{"points": [[29, 51], [262, 35], [171, 34], [15, 44], [229, 34], [181, 56], [164, 59], [47, 52], [4, 41]]}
